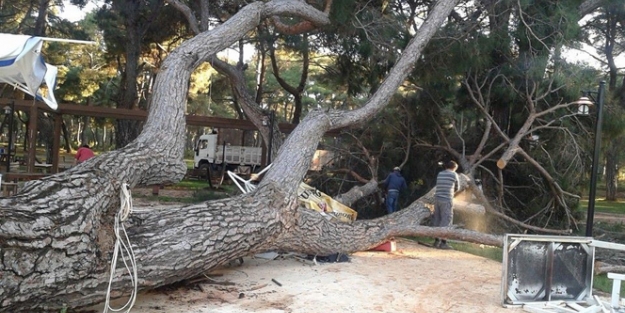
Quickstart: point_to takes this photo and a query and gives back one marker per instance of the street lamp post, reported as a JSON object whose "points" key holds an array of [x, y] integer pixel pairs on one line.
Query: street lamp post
{"points": [[585, 101], [9, 111]]}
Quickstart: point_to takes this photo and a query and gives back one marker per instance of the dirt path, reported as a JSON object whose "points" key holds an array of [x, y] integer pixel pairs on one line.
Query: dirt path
{"points": [[415, 278], [609, 217]]}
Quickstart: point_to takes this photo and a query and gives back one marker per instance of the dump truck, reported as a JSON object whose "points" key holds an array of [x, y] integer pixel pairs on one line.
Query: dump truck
{"points": [[209, 153]]}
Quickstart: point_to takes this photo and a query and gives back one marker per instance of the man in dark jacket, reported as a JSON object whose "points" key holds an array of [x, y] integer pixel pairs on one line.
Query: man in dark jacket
{"points": [[394, 184]]}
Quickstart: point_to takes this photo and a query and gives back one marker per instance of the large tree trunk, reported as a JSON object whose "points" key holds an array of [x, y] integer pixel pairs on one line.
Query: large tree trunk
{"points": [[42, 16], [135, 26], [56, 235], [70, 263]]}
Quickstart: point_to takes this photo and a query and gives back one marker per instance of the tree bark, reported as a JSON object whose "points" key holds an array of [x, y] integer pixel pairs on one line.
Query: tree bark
{"points": [[56, 235], [589, 6], [611, 170], [42, 16]]}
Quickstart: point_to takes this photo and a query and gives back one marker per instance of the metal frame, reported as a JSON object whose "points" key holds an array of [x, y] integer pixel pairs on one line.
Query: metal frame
{"points": [[545, 281], [245, 185]]}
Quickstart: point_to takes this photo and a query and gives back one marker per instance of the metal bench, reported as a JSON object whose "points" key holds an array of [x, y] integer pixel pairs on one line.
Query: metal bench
{"points": [[616, 289]]}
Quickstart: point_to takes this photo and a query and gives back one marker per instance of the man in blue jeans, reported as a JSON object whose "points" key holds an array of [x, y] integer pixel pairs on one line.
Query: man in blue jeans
{"points": [[394, 184]]}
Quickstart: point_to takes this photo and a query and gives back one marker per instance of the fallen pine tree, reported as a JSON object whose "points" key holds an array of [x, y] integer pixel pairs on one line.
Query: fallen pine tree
{"points": [[59, 235]]}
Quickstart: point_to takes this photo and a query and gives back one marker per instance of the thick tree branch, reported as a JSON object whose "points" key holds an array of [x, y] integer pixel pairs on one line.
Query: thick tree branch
{"points": [[358, 192], [188, 14], [302, 26], [589, 6]]}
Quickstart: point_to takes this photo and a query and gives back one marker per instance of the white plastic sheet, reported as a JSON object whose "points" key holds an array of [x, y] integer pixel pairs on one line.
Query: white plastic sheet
{"points": [[22, 66]]}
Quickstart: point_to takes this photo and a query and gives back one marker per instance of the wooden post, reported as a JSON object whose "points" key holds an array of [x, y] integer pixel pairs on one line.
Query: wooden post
{"points": [[32, 139], [56, 142]]}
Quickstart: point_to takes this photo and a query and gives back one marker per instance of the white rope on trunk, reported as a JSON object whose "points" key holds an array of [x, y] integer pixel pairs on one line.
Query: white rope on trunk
{"points": [[123, 248]]}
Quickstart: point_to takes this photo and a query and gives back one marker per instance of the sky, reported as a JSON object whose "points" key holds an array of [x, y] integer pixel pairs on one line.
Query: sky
{"points": [[583, 55], [73, 13]]}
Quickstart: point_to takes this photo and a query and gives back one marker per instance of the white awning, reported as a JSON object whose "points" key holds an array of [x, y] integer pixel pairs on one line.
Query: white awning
{"points": [[22, 66]]}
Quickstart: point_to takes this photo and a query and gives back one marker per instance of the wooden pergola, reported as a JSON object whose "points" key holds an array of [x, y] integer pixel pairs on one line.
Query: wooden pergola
{"points": [[33, 108]]}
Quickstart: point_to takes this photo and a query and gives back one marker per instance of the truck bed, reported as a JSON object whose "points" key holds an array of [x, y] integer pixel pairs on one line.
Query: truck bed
{"points": [[240, 155]]}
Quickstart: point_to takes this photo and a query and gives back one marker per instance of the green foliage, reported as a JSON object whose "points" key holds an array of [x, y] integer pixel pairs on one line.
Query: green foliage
{"points": [[201, 195], [342, 12], [14, 17], [365, 39], [124, 19], [613, 123], [544, 23], [489, 252], [603, 283], [200, 192], [191, 184], [167, 199], [615, 207]]}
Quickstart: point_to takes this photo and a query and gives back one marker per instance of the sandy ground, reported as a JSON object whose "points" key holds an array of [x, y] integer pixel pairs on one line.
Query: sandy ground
{"points": [[414, 278], [609, 217]]}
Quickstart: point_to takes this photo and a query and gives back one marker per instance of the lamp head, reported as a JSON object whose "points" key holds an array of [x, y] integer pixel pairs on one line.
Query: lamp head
{"points": [[583, 105], [584, 101], [7, 110]]}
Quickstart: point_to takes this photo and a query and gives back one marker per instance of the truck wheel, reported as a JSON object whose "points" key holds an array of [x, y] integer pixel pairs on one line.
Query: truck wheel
{"points": [[204, 170]]}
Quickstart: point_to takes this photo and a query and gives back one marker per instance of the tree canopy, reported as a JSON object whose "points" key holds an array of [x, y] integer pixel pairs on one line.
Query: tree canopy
{"points": [[408, 83]]}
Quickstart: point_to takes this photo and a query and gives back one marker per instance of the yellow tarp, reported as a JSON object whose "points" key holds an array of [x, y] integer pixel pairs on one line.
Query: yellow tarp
{"points": [[320, 202]]}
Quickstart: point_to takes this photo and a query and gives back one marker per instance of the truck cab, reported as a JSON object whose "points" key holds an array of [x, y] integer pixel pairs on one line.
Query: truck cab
{"points": [[205, 150]]}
